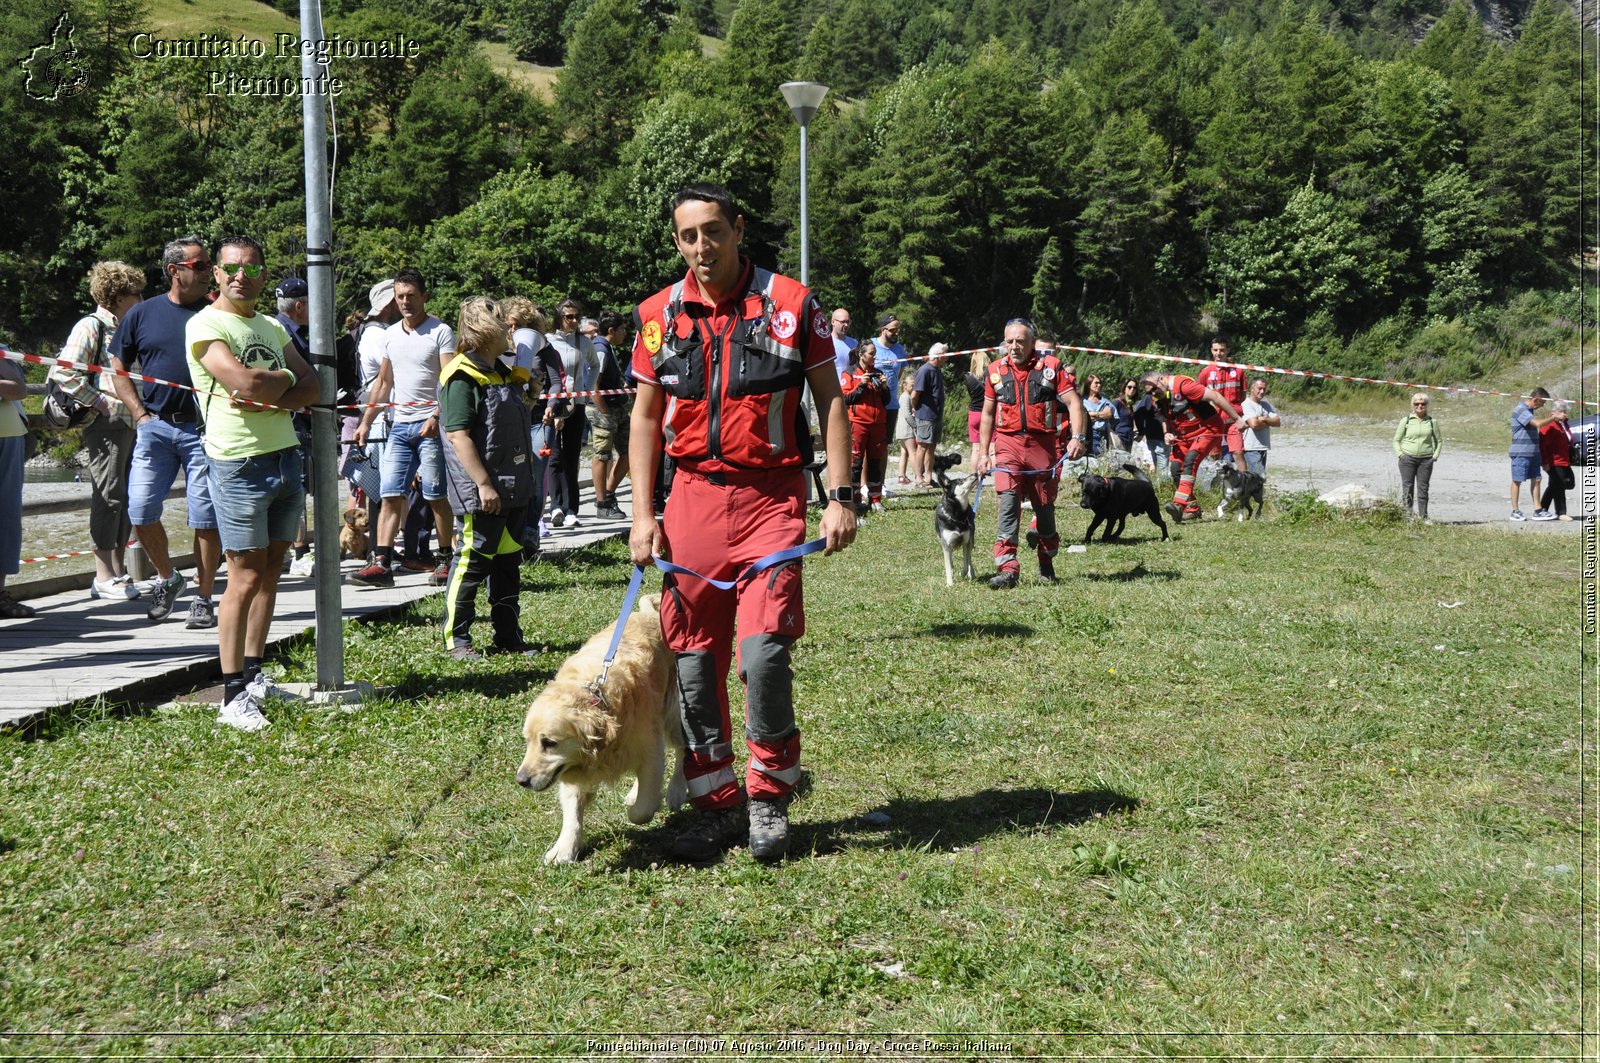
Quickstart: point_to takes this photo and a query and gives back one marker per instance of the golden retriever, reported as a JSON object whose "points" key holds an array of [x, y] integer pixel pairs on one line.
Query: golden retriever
{"points": [[583, 743]]}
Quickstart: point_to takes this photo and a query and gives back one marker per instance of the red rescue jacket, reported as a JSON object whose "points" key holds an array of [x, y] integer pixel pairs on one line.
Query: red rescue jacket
{"points": [[864, 395], [1026, 400], [733, 372]]}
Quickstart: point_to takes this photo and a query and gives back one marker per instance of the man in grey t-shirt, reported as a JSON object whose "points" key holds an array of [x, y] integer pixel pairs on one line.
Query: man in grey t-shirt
{"points": [[415, 349], [1260, 418]]}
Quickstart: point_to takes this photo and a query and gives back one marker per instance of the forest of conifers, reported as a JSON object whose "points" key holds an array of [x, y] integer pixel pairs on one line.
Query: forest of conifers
{"points": [[1354, 184]]}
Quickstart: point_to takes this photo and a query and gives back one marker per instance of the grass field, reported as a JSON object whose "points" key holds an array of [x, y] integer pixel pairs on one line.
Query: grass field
{"points": [[1302, 787]]}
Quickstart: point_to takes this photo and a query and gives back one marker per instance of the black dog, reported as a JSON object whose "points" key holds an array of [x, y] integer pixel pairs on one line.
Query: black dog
{"points": [[1114, 499]]}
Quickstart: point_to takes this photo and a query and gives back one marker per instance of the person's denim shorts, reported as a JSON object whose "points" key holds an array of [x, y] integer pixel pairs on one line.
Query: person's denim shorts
{"points": [[260, 499], [403, 452], [159, 450], [927, 432], [1525, 469], [1256, 461]]}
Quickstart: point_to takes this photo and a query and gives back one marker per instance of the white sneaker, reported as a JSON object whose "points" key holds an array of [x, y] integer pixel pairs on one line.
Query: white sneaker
{"points": [[126, 580], [262, 689], [1543, 514], [303, 566], [558, 517], [244, 713], [113, 591], [1516, 514], [572, 521]]}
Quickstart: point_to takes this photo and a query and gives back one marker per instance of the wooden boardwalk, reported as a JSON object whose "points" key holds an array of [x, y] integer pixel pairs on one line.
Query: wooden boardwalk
{"points": [[77, 649]]}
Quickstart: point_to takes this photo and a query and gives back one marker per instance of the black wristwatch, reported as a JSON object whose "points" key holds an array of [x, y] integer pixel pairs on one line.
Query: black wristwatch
{"points": [[847, 495]]}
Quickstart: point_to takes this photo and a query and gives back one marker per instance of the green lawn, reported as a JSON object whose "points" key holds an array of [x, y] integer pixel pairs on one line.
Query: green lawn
{"points": [[1254, 791]]}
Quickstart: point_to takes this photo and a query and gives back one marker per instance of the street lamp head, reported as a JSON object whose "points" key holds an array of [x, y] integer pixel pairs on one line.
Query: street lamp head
{"points": [[803, 97]]}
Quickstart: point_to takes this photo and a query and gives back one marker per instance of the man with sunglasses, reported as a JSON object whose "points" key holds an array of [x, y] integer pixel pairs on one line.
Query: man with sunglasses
{"points": [[151, 340], [1023, 399], [249, 377]]}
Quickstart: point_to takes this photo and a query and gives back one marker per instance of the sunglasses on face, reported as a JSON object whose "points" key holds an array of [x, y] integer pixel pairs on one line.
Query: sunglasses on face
{"points": [[251, 269], [197, 264]]}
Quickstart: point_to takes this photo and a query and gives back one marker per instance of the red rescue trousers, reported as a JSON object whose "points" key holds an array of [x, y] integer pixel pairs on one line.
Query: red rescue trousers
{"points": [[1189, 449], [717, 525], [1033, 455]]}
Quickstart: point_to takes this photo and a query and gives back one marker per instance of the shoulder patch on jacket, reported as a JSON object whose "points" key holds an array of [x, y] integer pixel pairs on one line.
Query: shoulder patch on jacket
{"points": [[651, 334]]}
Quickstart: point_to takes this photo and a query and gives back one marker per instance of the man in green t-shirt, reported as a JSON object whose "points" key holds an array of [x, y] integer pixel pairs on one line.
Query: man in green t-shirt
{"points": [[248, 376]]}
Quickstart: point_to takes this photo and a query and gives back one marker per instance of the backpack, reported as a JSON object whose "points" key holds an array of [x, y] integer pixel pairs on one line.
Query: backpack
{"points": [[61, 410]]}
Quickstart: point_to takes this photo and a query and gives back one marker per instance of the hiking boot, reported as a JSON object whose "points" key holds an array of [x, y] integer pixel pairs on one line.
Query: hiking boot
{"points": [[441, 575], [769, 829], [1002, 581], [201, 614], [1032, 535], [420, 563], [1174, 511], [164, 594], [1047, 569], [244, 712], [376, 574], [711, 834], [465, 653]]}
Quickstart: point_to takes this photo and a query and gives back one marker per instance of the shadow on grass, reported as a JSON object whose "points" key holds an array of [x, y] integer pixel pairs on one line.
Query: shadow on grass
{"points": [[913, 823], [515, 680], [980, 631], [1137, 572]]}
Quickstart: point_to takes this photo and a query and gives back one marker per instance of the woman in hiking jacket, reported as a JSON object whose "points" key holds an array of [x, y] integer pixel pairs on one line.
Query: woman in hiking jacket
{"points": [[1416, 443]]}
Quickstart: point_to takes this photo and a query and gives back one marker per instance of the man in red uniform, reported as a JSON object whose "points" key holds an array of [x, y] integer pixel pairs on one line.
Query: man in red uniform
{"points": [[1227, 381], [1194, 431], [720, 359], [1023, 394], [865, 392]]}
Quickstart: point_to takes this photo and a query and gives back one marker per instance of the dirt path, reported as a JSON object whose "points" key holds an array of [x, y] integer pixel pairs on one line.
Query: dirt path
{"points": [[1469, 484]]}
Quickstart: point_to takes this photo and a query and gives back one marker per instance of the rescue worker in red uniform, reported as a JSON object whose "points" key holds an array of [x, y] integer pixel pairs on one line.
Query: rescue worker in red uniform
{"points": [[865, 392], [720, 359], [1194, 431], [1023, 396], [1227, 381]]}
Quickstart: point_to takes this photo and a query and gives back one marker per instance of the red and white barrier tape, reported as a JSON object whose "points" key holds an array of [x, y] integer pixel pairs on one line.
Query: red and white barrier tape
{"points": [[54, 557], [1276, 370], [18, 356]]}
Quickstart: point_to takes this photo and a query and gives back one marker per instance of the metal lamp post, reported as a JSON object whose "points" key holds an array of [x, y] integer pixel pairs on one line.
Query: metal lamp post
{"points": [[803, 98], [331, 684]]}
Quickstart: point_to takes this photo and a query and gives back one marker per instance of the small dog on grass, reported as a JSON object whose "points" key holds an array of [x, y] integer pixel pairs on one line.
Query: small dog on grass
{"points": [[1114, 499], [586, 740], [1240, 486], [353, 536], [953, 523]]}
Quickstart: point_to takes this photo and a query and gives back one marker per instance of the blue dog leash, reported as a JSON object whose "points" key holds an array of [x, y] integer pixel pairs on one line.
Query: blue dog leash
{"points": [[770, 561], [616, 635]]}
